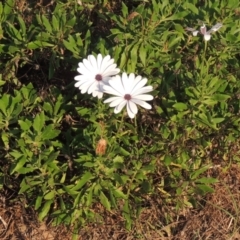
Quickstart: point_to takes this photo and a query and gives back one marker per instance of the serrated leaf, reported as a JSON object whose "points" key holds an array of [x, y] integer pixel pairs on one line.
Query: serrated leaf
{"points": [[39, 122], [49, 132], [48, 108], [24, 125], [46, 23]]}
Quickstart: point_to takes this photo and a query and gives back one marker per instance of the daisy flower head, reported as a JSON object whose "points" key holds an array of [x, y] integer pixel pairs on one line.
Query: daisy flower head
{"points": [[203, 30], [129, 91], [95, 72]]}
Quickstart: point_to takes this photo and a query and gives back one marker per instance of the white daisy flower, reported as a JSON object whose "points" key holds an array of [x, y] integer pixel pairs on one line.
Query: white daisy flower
{"points": [[203, 30], [128, 90], [95, 72]]}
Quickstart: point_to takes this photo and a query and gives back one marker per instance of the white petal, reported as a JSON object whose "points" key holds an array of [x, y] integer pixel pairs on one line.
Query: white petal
{"points": [[93, 62], [141, 103], [87, 64], [111, 70], [106, 62], [93, 87], [97, 94], [216, 27], [99, 60], [100, 95], [207, 37], [119, 107], [131, 109], [84, 77], [132, 106], [110, 90], [203, 29], [84, 87], [142, 90], [77, 84], [144, 97], [126, 81], [117, 86], [195, 33], [138, 85], [114, 101], [81, 83], [82, 69]]}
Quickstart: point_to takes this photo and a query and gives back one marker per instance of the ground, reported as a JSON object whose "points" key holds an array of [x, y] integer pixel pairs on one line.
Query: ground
{"points": [[217, 218]]}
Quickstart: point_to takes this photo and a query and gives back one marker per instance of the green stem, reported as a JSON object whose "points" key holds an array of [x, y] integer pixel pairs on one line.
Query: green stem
{"points": [[121, 123]]}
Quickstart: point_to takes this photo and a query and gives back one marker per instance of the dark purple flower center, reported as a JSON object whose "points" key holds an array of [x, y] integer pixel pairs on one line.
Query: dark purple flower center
{"points": [[98, 77], [127, 97]]}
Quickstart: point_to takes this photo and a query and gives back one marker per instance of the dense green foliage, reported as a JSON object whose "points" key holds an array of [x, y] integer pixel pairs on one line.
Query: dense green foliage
{"points": [[49, 130]]}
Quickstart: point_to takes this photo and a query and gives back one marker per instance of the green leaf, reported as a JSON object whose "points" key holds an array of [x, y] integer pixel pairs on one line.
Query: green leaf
{"points": [[198, 172], [46, 23], [2, 82], [55, 24], [44, 211], [24, 125], [220, 97], [127, 215], [49, 195], [189, 6], [22, 25], [134, 58], [8, 7], [206, 180], [13, 32], [203, 189], [48, 108], [4, 101], [143, 53], [39, 122], [124, 10], [180, 106], [105, 202], [168, 160], [38, 202], [38, 44], [49, 132], [118, 193], [70, 46], [84, 179], [20, 164]]}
